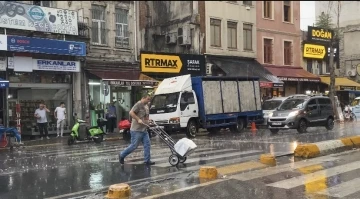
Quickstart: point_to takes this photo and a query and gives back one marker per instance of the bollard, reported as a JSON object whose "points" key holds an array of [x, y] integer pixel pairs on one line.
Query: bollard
{"points": [[208, 172], [118, 191], [268, 159]]}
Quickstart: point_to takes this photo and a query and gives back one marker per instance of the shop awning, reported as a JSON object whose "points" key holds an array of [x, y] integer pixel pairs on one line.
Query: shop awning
{"points": [[342, 83], [290, 73], [246, 67]]}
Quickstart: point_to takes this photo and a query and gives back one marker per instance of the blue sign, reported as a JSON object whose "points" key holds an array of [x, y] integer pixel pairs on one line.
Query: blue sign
{"points": [[4, 83], [46, 46]]}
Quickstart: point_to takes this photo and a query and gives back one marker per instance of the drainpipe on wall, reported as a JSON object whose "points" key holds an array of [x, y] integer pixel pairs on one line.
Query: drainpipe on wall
{"points": [[135, 33]]}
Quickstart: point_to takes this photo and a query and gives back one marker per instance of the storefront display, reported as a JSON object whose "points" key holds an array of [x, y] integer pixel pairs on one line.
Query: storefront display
{"points": [[29, 89]]}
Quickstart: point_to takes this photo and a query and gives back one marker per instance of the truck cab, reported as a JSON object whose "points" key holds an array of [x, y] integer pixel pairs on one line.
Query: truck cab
{"points": [[175, 104]]}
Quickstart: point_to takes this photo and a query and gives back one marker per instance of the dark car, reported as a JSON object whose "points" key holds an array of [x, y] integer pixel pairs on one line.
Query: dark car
{"points": [[301, 112]]}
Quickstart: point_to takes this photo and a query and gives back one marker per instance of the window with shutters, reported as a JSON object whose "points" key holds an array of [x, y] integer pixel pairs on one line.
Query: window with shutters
{"points": [[247, 35], [121, 28], [268, 51], [287, 53], [287, 11], [309, 65], [267, 9], [98, 29], [232, 35], [215, 32]]}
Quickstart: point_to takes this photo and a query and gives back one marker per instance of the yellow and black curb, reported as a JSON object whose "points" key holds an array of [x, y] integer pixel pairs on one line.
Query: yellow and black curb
{"points": [[316, 149]]}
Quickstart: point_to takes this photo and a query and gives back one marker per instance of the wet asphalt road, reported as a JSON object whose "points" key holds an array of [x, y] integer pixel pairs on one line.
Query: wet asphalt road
{"points": [[56, 170]]}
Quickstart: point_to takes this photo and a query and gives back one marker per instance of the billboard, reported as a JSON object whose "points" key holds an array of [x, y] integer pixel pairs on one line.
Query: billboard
{"points": [[36, 18]]}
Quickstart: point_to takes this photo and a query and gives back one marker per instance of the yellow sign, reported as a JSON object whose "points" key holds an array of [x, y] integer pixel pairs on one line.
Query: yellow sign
{"points": [[323, 34], [153, 63], [314, 51]]}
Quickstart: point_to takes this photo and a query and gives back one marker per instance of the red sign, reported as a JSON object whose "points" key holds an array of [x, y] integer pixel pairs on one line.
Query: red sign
{"points": [[266, 84]]}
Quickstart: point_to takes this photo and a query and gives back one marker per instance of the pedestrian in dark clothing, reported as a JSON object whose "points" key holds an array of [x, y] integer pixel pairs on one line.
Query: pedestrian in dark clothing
{"points": [[111, 117]]}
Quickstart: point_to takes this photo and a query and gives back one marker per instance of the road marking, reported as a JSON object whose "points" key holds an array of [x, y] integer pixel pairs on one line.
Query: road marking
{"points": [[312, 177], [196, 153], [105, 187], [193, 160], [342, 190], [282, 168], [236, 168]]}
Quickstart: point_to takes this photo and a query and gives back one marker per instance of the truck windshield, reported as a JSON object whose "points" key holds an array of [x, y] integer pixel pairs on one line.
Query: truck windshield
{"points": [[271, 104], [355, 102], [290, 104], [165, 103]]}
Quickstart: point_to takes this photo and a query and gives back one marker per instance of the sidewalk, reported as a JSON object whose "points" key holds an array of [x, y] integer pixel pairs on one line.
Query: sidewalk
{"points": [[63, 140]]}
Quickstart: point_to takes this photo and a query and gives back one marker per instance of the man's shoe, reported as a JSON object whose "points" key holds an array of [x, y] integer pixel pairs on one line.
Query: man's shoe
{"points": [[122, 161], [149, 163]]}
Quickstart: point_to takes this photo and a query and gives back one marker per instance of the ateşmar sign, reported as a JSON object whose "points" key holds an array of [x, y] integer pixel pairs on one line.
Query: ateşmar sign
{"points": [[314, 51], [173, 63], [320, 34]]}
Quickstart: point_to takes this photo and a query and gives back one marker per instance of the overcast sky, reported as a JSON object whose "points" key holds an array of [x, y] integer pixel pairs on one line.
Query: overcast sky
{"points": [[307, 14]]}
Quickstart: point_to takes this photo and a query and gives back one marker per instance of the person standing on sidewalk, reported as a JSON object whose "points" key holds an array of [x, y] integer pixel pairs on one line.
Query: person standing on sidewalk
{"points": [[40, 114], [111, 117], [60, 113], [138, 131]]}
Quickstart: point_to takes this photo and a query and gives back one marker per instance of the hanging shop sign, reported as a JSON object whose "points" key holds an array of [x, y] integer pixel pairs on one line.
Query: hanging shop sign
{"points": [[320, 34], [314, 51], [36, 18], [173, 63], [56, 65], [271, 85], [46, 46], [299, 79], [132, 83], [4, 83], [347, 88]]}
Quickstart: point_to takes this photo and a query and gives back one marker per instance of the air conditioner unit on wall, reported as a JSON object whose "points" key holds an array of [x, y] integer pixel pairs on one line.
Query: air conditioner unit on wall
{"points": [[170, 38], [351, 73], [184, 37]]}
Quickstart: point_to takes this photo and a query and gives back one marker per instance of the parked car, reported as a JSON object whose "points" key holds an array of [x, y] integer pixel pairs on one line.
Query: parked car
{"points": [[270, 105], [301, 112]]}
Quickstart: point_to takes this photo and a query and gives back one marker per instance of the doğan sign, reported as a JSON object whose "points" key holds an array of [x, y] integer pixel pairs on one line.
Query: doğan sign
{"points": [[320, 34]]}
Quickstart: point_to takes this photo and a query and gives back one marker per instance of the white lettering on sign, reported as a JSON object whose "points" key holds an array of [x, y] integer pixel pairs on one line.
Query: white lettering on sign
{"points": [[56, 65]]}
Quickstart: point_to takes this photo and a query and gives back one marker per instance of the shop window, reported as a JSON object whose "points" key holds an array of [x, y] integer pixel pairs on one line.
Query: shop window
{"points": [[45, 77], [232, 35], [287, 11], [98, 29], [247, 3], [268, 51], [247, 35], [215, 32], [44, 3], [309, 65], [287, 52], [267, 9], [121, 25]]}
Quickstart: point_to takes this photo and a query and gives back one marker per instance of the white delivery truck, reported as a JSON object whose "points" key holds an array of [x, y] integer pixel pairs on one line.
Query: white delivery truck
{"points": [[189, 103]]}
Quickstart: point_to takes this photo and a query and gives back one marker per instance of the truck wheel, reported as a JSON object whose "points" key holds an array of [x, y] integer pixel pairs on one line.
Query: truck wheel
{"points": [[239, 126], [192, 129]]}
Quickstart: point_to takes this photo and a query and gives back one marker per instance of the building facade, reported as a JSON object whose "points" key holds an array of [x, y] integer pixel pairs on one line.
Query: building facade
{"points": [[279, 46], [42, 56]]}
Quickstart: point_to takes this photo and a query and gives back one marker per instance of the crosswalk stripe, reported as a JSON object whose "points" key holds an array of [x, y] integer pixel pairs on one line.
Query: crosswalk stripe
{"points": [[138, 158], [192, 155], [342, 190], [235, 168], [282, 168], [193, 160], [312, 177]]}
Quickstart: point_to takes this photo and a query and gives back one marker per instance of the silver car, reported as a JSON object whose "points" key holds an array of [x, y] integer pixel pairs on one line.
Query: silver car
{"points": [[270, 105]]}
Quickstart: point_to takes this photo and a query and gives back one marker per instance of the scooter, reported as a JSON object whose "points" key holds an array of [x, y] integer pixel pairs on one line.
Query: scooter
{"points": [[349, 116], [80, 132], [124, 127]]}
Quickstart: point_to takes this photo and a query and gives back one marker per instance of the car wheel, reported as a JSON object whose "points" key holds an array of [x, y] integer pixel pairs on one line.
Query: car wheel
{"points": [[274, 131], [192, 129], [329, 123], [302, 126]]}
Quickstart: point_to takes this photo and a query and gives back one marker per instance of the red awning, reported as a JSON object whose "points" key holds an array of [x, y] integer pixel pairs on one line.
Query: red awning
{"points": [[116, 75], [290, 73]]}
